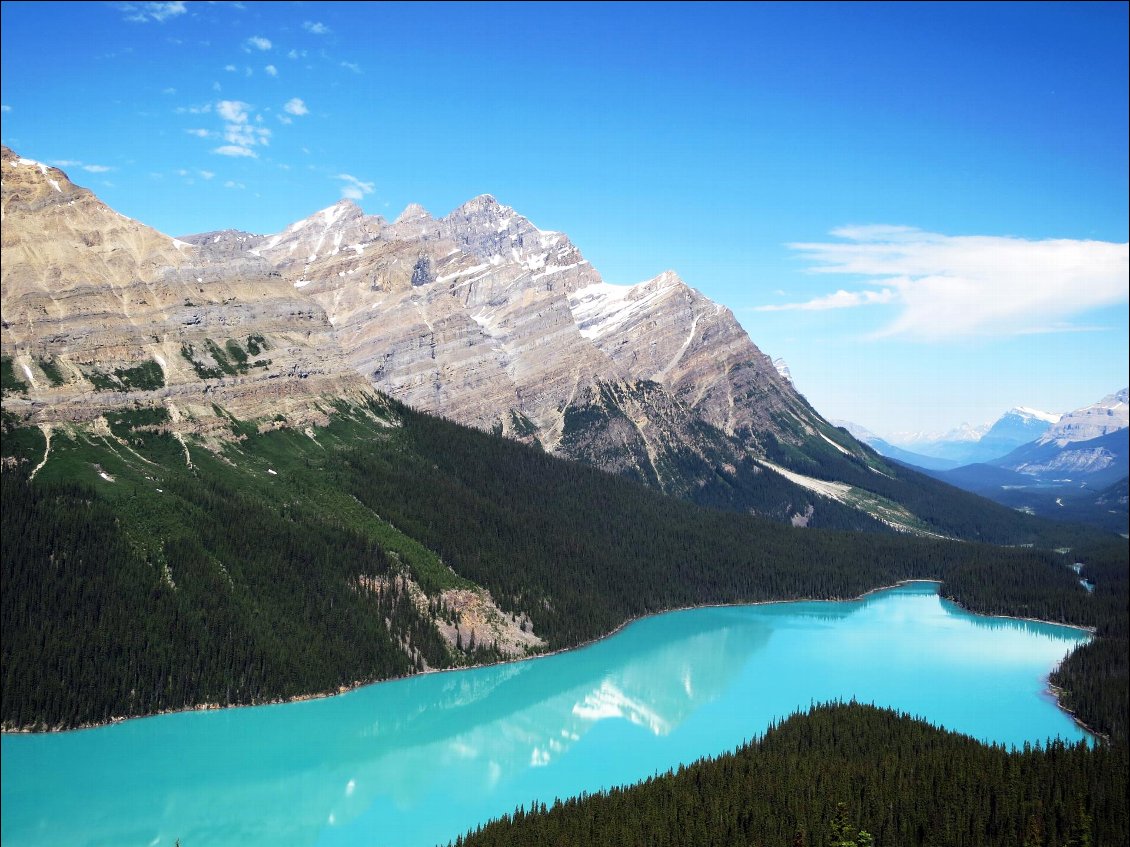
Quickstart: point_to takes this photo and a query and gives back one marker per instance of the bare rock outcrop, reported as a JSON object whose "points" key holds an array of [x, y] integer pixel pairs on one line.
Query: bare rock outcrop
{"points": [[100, 311]]}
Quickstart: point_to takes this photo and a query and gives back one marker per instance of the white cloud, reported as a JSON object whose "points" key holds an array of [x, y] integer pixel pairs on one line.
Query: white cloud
{"points": [[96, 169], [233, 111], [194, 110], [231, 183], [206, 174], [145, 12], [283, 119], [236, 151], [169, 91], [352, 66], [316, 27], [354, 188], [5, 108], [230, 68], [199, 133], [296, 54], [257, 42], [948, 286], [295, 106], [839, 300], [65, 163], [271, 70]]}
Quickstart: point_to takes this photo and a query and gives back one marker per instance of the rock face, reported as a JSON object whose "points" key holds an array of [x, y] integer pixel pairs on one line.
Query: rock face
{"points": [[482, 317], [478, 316], [100, 311], [1110, 414]]}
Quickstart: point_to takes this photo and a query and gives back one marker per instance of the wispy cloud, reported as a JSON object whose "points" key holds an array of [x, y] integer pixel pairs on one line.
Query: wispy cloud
{"points": [[144, 12], [271, 70], [351, 66], [950, 286], [316, 27], [5, 108], [295, 106], [199, 133], [239, 130], [231, 183], [839, 300], [257, 42], [353, 188], [206, 174], [236, 151], [75, 163], [233, 111]]}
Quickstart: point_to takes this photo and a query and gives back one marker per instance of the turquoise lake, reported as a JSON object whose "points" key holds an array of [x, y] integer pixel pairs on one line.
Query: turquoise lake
{"points": [[421, 760]]}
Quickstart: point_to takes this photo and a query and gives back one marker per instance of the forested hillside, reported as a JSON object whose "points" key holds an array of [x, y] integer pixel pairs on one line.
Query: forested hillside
{"points": [[850, 776], [143, 572]]}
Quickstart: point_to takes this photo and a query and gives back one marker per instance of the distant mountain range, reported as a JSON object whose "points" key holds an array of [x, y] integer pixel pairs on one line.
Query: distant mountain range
{"points": [[968, 444], [1071, 466]]}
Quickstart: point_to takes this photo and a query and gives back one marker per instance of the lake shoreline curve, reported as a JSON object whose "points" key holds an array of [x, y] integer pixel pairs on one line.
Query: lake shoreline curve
{"points": [[1055, 691]]}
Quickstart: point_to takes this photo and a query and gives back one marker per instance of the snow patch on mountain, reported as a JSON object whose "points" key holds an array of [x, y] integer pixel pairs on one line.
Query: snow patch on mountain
{"points": [[602, 308], [1110, 414], [783, 369]]}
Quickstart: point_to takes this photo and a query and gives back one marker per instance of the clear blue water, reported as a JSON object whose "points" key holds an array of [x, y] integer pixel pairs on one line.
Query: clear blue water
{"points": [[418, 761]]}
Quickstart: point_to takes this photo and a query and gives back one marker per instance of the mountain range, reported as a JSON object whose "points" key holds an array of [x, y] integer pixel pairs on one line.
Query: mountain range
{"points": [[217, 490], [478, 316], [1070, 466]]}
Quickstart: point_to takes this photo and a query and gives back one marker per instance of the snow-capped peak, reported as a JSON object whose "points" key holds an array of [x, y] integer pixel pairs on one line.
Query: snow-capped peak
{"points": [[1110, 414], [783, 369], [1035, 414], [413, 212]]}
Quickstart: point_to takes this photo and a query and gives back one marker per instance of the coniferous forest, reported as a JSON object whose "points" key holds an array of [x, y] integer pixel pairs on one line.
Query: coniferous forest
{"points": [[142, 575], [241, 578], [850, 775]]}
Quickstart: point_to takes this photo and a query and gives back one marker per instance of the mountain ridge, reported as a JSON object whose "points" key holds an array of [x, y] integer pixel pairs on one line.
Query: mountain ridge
{"points": [[479, 316]]}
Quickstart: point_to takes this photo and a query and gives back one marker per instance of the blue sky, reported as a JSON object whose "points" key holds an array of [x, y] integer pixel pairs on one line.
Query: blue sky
{"points": [[921, 207]]}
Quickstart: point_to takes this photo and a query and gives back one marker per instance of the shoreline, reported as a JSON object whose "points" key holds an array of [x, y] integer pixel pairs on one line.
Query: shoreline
{"points": [[1055, 692]]}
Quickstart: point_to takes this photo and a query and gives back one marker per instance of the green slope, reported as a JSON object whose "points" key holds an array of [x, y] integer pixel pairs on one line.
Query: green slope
{"points": [[144, 573], [850, 776]]}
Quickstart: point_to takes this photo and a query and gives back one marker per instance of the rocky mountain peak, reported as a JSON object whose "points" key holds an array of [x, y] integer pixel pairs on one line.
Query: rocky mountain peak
{"points": [[1108, 415], [327, 232], [101, 311], [413, 212]]}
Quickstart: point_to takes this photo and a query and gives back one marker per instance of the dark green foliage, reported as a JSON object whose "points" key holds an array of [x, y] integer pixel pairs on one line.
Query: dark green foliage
{"points": [[100, 380], [521, 425], [291, 523], [256, 344], [850, 775], [147, 376], [124, 422], [221, 358], [256, 603], [9, 382], [229, 360], [50, 368], [1096, 678]]}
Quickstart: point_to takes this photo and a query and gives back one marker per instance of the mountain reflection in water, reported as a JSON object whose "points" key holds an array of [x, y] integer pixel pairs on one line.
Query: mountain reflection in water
{"points": [[418, 761]]}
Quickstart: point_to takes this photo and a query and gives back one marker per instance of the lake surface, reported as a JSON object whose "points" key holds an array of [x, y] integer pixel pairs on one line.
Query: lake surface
{"points": [[421, 760]]}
